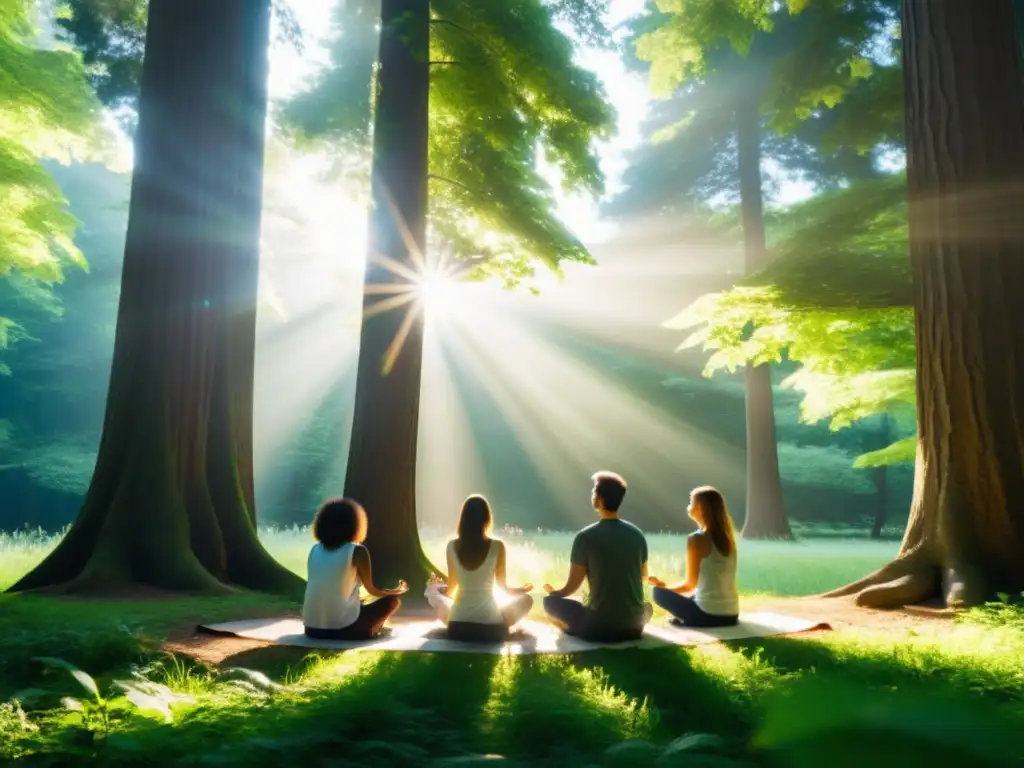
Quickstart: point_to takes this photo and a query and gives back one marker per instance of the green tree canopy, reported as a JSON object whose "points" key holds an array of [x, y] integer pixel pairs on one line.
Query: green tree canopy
{"points": [[701, 56], [835, 296], [836, 299], [111, 36], [504, 86], [47, 111]]}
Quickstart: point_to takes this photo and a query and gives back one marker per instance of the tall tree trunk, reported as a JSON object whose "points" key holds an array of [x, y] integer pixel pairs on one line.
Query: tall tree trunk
{"points": [[965, 173], [766, 514], [170, 502], [881, 474], [381, 472]]}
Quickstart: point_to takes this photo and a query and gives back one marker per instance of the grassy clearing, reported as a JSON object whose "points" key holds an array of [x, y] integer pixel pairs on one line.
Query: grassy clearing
{"points": [[954, 695], [819, 561]]}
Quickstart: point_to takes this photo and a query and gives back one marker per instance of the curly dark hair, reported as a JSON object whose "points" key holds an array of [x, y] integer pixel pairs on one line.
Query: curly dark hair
{"points": [[339, 522]]}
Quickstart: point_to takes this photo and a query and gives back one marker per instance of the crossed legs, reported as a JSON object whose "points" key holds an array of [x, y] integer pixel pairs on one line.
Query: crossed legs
{"points": [[571, 616]]}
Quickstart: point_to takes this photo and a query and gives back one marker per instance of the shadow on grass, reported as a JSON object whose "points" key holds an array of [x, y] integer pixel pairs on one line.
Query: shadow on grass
{"points": [[404, 709], [101, 636], [545, 709], [378, 709], [888, 706], [898, 665], [682, 696], [412, 708]]}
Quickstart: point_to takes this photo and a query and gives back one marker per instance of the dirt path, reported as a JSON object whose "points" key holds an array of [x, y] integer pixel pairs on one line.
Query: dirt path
{"points": [[840, 613]]}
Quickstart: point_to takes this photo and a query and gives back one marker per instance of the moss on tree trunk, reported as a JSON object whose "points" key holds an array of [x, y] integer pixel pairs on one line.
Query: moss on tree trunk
{"points": [[170, 504], [381, 471], [965, 172], [766, 513]]}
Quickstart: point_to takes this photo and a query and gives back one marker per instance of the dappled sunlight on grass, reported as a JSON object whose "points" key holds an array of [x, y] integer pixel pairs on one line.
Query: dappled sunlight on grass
{"points": [[964, 655], [290, 706], [401, 709], [555, 705], [20, 551]]}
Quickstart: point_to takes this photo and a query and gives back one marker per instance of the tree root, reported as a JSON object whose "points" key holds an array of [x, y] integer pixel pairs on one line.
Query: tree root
{"points": [[904, 581]]}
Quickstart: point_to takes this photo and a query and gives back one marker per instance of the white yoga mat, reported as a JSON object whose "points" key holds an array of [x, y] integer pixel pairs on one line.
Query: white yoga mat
{"points": [[535, 637]]}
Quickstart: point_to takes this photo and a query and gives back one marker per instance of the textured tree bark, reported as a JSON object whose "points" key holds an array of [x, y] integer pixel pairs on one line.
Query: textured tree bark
{"points": [[965, 172], [766, 513], [881, 486], [170, 504], [381, 471]]}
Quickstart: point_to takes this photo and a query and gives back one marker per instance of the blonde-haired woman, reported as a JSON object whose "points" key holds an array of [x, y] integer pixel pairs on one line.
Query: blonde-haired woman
{"points": [[707, 596]]}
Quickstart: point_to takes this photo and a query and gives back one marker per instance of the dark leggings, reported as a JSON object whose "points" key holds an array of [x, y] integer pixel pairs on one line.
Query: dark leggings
{"points": [[686, 610], [372, 617], [575, 617]]}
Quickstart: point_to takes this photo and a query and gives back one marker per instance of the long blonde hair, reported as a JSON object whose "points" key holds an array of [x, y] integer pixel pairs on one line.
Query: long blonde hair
{"points": [[714, 516]]}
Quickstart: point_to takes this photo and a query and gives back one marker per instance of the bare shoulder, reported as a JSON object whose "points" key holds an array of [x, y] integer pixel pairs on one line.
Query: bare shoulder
{"points": [[360, 554], [699, 540]]}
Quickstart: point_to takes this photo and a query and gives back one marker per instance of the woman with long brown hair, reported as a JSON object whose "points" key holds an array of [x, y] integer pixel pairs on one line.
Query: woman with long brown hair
{"points": [[476, 563], [707, 597]]}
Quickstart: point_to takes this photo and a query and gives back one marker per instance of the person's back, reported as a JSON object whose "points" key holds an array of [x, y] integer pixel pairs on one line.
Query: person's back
{"points": [[614, 552], [707, 596], [476, 565], [474, 600], [332, 588], [716, 591], [611, 555]]}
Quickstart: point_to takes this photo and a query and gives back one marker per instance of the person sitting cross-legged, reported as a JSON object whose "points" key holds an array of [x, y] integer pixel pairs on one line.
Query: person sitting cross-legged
{"points": [[338, 563], [611, 555], [707, 597], [476, 562]]}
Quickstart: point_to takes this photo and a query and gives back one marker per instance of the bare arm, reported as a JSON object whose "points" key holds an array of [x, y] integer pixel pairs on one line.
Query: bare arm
{"points": [[499, 572], [453, 580], [696, 550], [577, 573], [361, 560]]}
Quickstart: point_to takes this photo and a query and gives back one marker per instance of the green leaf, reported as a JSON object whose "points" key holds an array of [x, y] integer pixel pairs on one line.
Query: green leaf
{"points": [[513, 95], [72, 704], [56, 663], [146, 702], [253, 677], [29, 695], [84, 679], [901, 452]]}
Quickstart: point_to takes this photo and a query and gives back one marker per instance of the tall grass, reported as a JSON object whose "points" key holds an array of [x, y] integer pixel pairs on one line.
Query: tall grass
{"points": [[808, 566], [819, 561], [21, 550]]}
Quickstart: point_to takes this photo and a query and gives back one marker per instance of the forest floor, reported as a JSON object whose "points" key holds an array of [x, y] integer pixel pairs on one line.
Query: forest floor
{"points": [[841, 614], [907, 687]]}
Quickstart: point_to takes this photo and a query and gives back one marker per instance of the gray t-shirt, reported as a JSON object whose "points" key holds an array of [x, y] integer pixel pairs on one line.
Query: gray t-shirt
{"points": [[613, 552]]}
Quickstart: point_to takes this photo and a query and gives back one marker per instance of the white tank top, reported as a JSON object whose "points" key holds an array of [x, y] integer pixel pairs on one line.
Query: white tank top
{"points": [[332, 588], [474, 598], [716, 586]]}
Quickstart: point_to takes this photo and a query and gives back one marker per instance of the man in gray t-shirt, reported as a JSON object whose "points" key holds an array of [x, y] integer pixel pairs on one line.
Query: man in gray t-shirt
{"points": [[611, 555]]}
